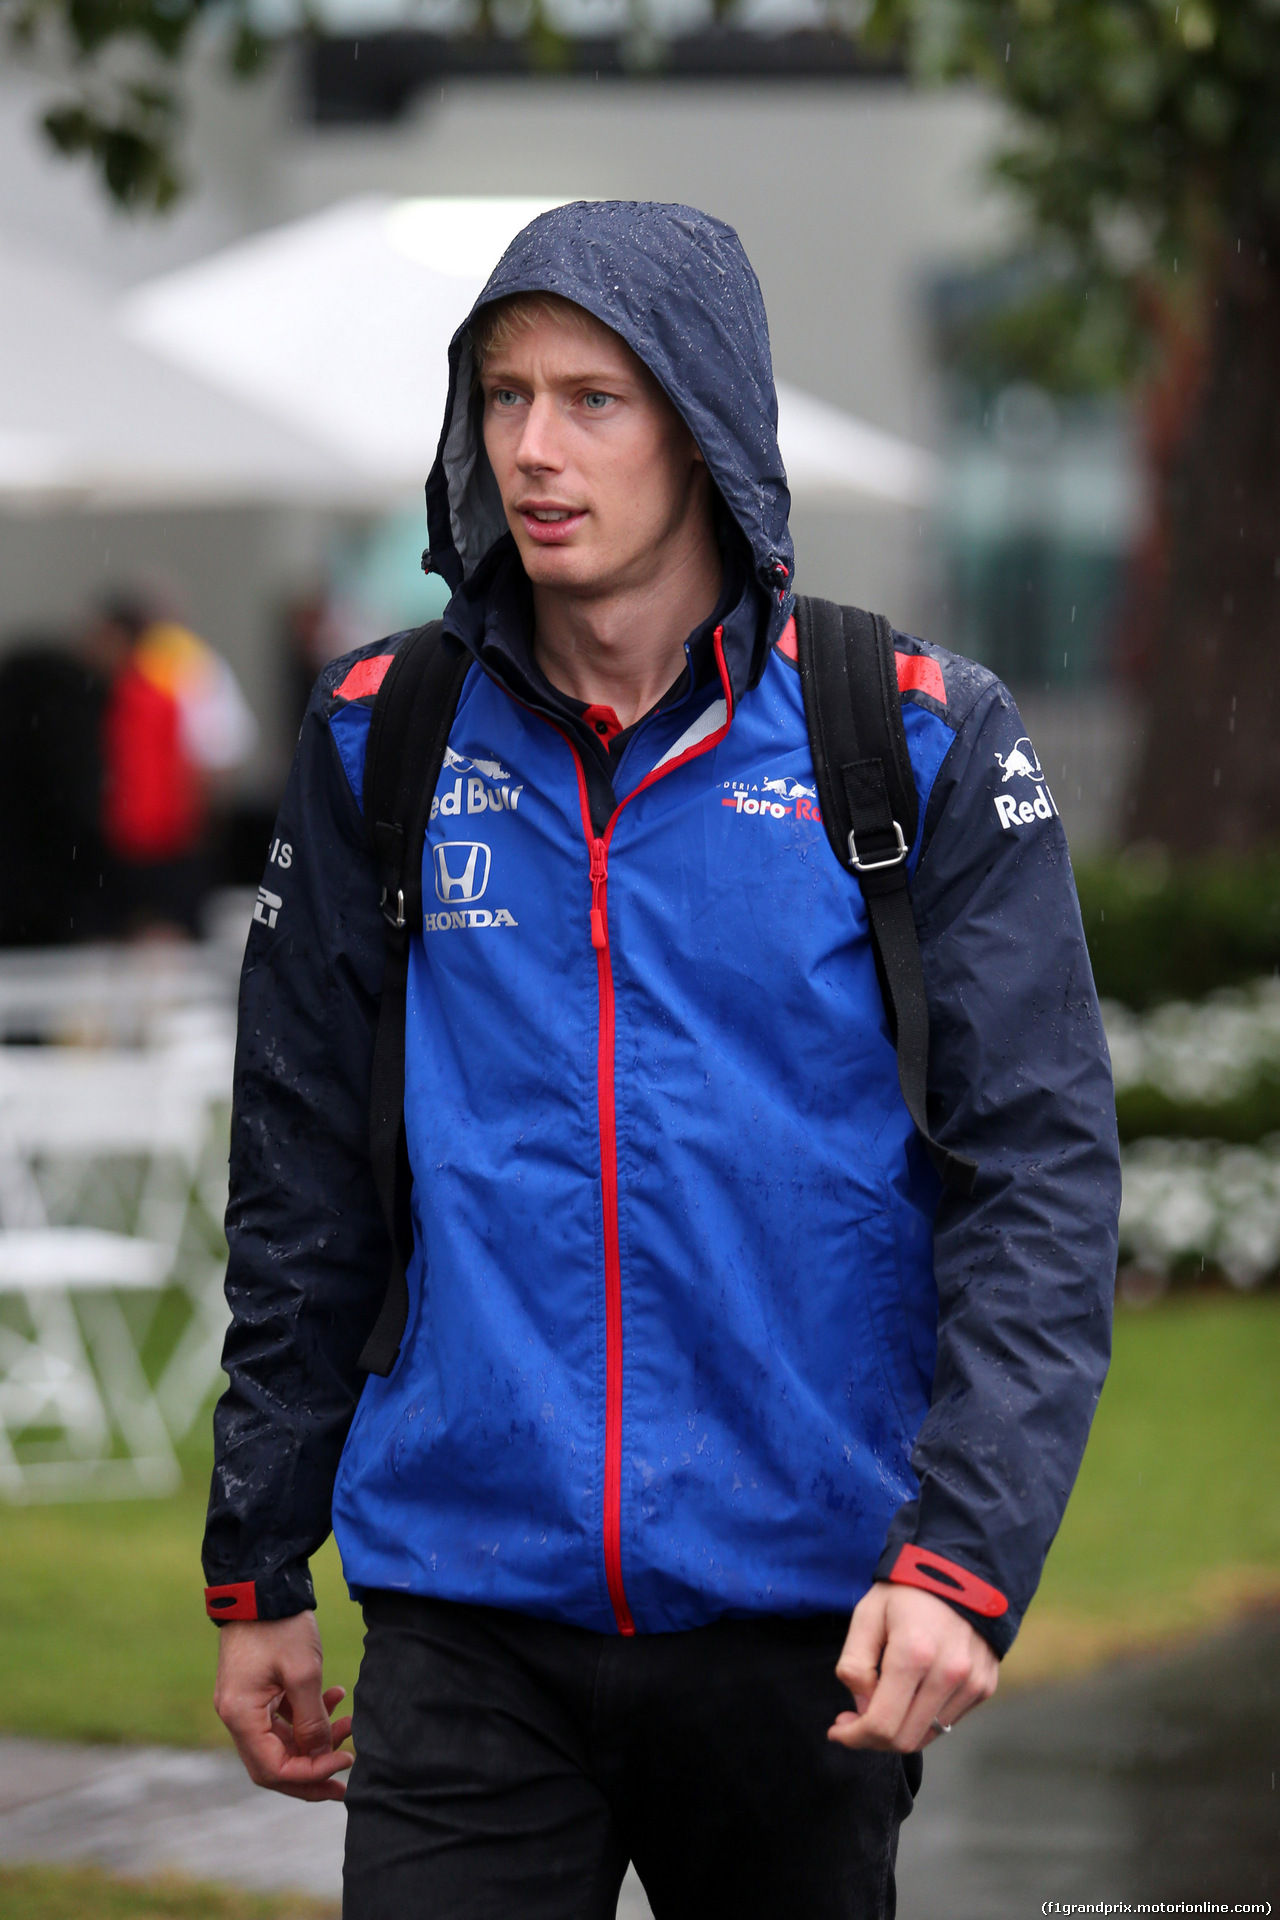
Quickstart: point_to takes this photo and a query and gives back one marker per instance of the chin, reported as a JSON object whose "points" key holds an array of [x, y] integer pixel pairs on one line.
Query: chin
{"points": [[562, 567]]}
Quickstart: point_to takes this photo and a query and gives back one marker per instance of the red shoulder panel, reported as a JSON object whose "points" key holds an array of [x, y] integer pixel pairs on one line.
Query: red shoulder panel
{"points": [[364, 678], [236, 1602], [917, 672], [917, 1567]]}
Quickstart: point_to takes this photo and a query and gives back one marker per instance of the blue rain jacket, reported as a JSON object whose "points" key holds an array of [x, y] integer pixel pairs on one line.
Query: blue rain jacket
{"points": [[693, 1331]]}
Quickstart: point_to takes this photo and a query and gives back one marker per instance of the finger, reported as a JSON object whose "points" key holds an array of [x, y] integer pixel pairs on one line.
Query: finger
{"points": [[979, 1684], [963, 1701], [304, 1709], [339, 1730], [858, 1667], [909, 1657], [976, 1675], [269, 1764], [308, 1770], [943, 1680], [877, 1726], [251, 1723], [936, 1698], [267, 1745], [331, 1790], [313, 1791], [947, 1718], [332, 1697]]}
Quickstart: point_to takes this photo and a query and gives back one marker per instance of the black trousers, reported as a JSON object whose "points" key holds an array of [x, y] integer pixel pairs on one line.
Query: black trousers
{"points": [[508, 1768]]}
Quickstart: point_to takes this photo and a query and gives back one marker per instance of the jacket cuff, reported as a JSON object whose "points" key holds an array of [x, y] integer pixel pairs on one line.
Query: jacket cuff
{"points": [[983, 1606], [272, 1596]]}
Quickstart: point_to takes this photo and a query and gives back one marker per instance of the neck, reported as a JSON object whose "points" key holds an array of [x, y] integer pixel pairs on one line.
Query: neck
{"points": [[624, 648]]}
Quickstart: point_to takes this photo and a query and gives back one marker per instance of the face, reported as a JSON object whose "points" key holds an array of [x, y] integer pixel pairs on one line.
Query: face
{"points": [[603, 485], [107, 646]]}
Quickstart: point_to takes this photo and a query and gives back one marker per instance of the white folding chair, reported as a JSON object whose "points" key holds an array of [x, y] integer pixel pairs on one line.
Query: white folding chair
{"points": [[111, 995], [77, 1379], [77, 1412]]}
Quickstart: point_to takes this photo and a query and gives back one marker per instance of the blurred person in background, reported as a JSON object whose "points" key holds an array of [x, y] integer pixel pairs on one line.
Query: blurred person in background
{"points": [[312, 635], [174, 721], [52, 859]]}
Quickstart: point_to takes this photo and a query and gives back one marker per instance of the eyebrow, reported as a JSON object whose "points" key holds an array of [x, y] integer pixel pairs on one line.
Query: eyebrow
{"points": [[592, 377]]}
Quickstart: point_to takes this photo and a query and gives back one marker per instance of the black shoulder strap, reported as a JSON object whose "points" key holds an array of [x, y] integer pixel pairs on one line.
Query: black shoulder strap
{"points": [[408, 734], [867, 794]]}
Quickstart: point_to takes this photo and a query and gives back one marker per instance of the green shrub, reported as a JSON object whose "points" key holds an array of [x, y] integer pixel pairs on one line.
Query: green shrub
{"points": [[1143, 1112], [1159, 931]]}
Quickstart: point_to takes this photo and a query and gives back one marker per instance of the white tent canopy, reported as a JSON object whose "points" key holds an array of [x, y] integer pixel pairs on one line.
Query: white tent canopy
{"points": [[337, 327], [88, 415], [830, 456]]}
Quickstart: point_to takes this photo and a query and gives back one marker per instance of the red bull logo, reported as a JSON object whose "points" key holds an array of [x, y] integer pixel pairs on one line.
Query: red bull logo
{"points": [[479, 778], [1012, 811], [1021, 759]]}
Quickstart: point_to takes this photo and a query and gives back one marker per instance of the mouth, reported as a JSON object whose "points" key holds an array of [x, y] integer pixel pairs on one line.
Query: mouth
{"points": [[548, 524]]}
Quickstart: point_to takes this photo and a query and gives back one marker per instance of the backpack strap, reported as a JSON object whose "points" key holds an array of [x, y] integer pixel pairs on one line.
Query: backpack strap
{"points": [[408, 734], [867, 793]]}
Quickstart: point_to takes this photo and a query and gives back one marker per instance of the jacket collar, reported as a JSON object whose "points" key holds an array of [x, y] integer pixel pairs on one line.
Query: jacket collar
{"points": [[492, 615]]}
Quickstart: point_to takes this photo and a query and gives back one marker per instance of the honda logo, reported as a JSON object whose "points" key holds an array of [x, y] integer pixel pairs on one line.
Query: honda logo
{"points": [[462, 870]]}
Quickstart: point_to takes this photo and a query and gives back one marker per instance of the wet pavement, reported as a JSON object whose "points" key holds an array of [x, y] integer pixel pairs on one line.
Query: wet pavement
{"points": [[1155, 1779], [149, 1810], [146, 1810], [1152, 1780]]}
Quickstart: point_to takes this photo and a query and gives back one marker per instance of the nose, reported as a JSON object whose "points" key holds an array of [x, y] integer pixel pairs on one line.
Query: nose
{"points": [[539, 450]]}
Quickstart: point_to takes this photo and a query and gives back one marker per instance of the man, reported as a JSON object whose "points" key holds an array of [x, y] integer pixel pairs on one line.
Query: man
{"points": [[698, 1355], [52, 860], [175, 723]]}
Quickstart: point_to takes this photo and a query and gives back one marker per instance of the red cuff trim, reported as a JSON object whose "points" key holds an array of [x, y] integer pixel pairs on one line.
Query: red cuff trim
{"points": [[238, 1602], [364, 678], [915, 1567]]}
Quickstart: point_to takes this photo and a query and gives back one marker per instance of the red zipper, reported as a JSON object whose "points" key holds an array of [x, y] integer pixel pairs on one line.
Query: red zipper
{"points": [[612, 1517], [598, 847]]}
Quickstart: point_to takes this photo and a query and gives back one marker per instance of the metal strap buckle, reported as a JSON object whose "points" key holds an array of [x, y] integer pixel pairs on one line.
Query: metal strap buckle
{"points": [[399, 920], [874, 866]]}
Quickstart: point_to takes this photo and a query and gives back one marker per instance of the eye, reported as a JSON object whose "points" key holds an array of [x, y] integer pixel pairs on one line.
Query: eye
{"points": [[596, 402], [504, 397]]}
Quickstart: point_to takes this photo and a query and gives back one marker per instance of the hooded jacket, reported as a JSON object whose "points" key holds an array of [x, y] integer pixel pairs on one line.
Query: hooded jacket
{"points": [[692, 1329]]}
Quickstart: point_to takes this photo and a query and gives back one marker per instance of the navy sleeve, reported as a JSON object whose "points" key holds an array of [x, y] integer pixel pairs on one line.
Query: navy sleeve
{"points": [[309, 1254], [1019, 1080]]}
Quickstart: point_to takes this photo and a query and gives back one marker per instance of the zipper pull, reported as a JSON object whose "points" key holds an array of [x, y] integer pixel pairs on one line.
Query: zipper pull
{"points": [[599, 879]]}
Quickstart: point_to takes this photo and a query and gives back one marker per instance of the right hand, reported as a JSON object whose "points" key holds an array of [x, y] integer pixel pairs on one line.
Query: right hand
{"points": [[268, 1696]]}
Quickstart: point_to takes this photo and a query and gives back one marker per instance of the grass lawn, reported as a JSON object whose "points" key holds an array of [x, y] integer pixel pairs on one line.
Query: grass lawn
{"points": [[103, 1634], [1175, 1523], [60, 1893], [1175, 1520]]}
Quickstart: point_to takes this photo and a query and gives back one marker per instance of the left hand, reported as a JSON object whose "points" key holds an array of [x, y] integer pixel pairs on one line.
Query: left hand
{"points": [[909, 1659]]}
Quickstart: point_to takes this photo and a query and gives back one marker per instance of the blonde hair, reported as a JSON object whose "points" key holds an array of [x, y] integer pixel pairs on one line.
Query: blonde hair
{"points": [[498, 324]]}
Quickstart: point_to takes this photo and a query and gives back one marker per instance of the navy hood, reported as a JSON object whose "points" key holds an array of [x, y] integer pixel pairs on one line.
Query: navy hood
{"points": [[677, 286]]}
